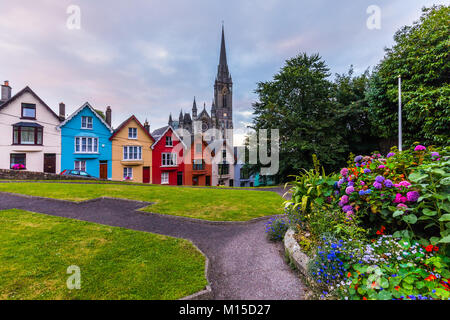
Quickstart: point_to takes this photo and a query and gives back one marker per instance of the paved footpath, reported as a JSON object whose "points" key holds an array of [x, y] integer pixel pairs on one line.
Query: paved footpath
{"points": [[244, 265]]}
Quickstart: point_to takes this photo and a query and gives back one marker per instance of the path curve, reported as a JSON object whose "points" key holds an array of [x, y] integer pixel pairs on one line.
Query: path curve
{"points": [[244, 265]]}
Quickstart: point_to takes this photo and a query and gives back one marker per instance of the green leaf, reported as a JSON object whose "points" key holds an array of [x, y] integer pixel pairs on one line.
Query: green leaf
{"points": [[384, 295], [429, 212], [446, 181], [411, 219], [417, 177], [398, 213], [445, 240], [434, 240], [445, 217], [384, 283]]}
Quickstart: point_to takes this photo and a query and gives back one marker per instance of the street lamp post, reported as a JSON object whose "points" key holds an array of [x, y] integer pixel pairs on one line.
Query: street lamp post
{"points": [[400, 144]]}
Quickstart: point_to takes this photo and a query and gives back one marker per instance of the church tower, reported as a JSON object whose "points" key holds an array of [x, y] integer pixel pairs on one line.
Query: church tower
{"points": [[223, 91]]}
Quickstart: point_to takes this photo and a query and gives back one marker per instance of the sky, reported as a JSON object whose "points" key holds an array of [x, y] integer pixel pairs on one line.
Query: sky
{"points": [[150, 58]]}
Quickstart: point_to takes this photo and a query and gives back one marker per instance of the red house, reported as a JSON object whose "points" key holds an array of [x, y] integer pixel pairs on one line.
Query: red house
{"points": [[168, 152]]}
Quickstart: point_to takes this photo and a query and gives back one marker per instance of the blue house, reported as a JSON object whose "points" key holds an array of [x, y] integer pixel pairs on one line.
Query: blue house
{"points": [[85, 143]]}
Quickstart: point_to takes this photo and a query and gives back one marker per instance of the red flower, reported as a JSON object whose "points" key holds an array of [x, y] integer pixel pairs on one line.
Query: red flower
{"points": [[429, 248], [431, 277], [349, 274], [364, 298], [397, 288]]}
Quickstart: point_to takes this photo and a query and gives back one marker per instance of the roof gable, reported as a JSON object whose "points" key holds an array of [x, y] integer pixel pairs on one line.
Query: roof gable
{"points": [[126, 122], [162, 134], [27, 89], [84, 106]]}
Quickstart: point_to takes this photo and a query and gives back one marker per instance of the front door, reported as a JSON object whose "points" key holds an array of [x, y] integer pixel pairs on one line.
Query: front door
{"points": [[208, 180], [50, 163], [180, 178], [146, 175], [231, 183], [103, 170]]}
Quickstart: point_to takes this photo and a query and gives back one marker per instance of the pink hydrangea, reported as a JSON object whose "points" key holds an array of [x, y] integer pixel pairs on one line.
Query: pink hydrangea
{"points": [[413, 196], [344, 172], [382, 167], [420, 148], [402, 206], [399, 198]]}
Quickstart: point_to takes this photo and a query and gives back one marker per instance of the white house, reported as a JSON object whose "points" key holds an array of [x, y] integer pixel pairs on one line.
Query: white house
{"points": [[29, 137]]}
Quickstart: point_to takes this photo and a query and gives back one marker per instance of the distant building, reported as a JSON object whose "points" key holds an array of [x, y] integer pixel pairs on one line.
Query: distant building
{"points": [[168, 153], [132, 152], [30, 139], [85, 142], [242, 176]]}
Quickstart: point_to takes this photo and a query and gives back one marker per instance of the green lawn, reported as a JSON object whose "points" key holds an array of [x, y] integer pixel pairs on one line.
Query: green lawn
{"points": [[115, 263], [201, 203]]}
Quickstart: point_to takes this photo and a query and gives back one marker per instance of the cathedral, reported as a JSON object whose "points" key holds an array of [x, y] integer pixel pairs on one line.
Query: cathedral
{"points": [[221, 116]]}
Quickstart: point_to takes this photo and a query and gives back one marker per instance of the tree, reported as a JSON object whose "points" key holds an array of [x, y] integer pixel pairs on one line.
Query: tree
{"points": [[298, 102], [421, 56], [352, 112]]}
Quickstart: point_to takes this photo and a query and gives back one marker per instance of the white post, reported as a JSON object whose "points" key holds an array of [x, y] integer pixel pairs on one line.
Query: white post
{"points": [[400, 144]]}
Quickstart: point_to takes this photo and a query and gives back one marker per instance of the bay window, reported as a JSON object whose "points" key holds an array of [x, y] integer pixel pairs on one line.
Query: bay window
{"points": [[86, 145], [169, 159], [132, 153], [27, 133]]}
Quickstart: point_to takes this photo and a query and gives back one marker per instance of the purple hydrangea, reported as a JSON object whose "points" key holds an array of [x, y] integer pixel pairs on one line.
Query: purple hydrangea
{"points": [[367, 171], [358, 158], [347, 208], [377, 185], [390, 154], [379, 179], [362, 192], [344, 200], [388, 183], [350, 190], [420, 148], [362, 183], [351, 184], [344, 172], [412, 196]]}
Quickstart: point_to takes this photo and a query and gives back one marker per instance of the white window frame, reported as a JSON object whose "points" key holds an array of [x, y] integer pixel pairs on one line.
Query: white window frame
{"points": [[82, 145], [86, 122], [127, 172], [132, 133], [79, 164], [169, 141], [164, 178], [169, 159], [132, 154]]}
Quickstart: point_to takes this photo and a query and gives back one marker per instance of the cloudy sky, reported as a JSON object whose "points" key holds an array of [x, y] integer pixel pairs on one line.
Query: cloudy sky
{"points": [[150, 58]]}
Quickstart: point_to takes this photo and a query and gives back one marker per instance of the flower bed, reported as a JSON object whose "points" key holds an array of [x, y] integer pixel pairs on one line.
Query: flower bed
{"points": [[380, 228]]}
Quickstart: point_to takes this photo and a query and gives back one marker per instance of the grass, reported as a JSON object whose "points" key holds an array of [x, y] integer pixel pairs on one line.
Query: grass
{"points": [[200, 203], [115, 263]]}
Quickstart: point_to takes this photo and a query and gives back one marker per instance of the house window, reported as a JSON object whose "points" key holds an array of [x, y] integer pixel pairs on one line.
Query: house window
{"points": [[224, 169], [86, 122], [80, 165], [165, 178], [86, 145], [28, 111], [30, 135], [198, 148], [18, 161], [132, 153], [132, 133], [127, 173], [224, 154], [169, 159], [198, 165], [169, 142]]}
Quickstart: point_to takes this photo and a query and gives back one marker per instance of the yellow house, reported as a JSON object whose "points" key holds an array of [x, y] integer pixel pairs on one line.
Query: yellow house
{"points": [[132, 152]]}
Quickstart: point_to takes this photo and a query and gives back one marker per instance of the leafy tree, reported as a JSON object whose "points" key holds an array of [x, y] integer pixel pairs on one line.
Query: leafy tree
{"points": [[298, 103], [352, 112], [421, 56]]}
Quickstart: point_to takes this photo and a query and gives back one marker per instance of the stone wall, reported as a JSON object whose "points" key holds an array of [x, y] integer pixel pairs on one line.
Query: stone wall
{"points": [[6, 174]]}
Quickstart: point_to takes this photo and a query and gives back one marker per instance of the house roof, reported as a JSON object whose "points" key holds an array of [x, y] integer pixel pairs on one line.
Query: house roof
{"points": [[123, 124], [86, 105], [23, 91], [161, 132]]}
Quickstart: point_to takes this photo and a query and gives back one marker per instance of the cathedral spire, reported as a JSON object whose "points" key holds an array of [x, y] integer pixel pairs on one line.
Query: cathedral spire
{"points": [[194, 109], [222, 72]]}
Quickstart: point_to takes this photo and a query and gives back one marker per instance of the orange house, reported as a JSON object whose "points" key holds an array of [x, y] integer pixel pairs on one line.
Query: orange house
{"points": [[131, 152], [198, 163]]}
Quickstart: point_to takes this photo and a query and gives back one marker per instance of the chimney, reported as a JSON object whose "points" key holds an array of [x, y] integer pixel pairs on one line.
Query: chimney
{"points": [[6, 92], [146, 126], [108, 115], [62, 111]]}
